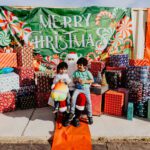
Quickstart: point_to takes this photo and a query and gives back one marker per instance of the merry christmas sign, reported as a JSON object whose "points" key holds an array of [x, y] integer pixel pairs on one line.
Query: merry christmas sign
{"points": [[93, 32]]}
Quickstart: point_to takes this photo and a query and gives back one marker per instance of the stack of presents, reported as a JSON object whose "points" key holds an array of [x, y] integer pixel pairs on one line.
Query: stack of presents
{"points": [[20, 86], [122, 87]]}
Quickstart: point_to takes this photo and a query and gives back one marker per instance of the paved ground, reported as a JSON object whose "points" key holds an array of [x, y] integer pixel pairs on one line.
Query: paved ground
{"points": [[39, 122]]}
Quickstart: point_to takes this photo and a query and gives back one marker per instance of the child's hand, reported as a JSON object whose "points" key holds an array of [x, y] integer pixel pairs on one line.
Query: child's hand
{"points": [[61, 80], [82, 81]]}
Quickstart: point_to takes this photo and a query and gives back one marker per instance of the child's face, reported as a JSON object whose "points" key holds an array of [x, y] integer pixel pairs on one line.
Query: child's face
{"points": [[81, 67], [62, 71]]}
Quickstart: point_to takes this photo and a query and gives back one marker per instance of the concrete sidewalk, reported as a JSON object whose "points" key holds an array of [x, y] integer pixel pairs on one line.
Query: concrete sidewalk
{"points": [[39, 124]]}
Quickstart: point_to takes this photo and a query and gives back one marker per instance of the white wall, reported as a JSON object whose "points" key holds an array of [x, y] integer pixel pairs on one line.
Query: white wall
{"points": [[139, 17]]}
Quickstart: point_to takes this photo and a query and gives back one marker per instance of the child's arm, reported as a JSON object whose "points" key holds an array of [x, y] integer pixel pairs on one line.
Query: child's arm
{"points": [[67, 79], [90, 79], [75, 80], [56, 79], [86, 81]]}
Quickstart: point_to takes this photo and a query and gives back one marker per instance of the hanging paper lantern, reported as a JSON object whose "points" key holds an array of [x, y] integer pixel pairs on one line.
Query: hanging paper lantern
{"points": [[59, 92]]}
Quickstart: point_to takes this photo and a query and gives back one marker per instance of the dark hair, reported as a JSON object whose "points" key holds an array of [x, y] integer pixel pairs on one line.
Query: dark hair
{"points": [[82, 61], [62, 65]]}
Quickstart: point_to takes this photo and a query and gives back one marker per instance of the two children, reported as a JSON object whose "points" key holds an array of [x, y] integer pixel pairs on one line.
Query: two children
{"points": [[82, 79]]}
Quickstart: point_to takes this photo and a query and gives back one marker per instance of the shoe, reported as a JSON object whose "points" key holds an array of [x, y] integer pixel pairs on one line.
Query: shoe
{"points": [[65, 123], [71, 116], [90, 120], [76, 122]]}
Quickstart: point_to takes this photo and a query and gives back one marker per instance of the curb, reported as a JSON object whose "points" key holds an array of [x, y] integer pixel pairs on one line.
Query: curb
{"points": [[102, 143], [24, 143]]}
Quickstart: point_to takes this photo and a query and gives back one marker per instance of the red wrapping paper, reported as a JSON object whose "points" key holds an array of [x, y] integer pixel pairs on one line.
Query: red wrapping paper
{"points": [[7, 101]]}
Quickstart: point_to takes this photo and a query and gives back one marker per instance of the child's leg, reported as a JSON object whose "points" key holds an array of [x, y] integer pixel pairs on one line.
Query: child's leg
{"points": [[51, 102], [76, 121], [89, 106], [74, 100], [88, 100], [68, 101], [56, 106]]}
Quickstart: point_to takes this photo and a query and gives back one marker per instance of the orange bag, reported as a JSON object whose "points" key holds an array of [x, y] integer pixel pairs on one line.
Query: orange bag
{"points": [[72, 138]]}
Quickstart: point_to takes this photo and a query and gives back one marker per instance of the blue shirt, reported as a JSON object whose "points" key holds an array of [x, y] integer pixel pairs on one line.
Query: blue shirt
{"points": [[84, 75]]}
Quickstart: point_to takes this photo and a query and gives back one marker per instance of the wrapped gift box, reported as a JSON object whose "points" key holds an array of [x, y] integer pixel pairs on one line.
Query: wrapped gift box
{"points": [[26, 76], [42, 99], [114, 102], [119, 60], [139, 62], [95, 89], [7, 101], [96, 104], [116, 68], [135, 90], [25, 56], [115, 78], [126, 97], [96, 66], [43, 81], [130, 111], [9, 82], [141, 107], [24, 91], [146, 89], [137, 73], [27, 102], [8, 60]]}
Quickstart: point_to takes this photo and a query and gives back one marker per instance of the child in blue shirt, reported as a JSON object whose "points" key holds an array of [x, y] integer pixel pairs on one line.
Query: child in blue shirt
{"points": [[82, 79]]}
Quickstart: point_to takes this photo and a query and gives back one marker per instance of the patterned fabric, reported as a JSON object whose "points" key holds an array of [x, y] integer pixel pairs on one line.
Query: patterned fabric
{"points": [[25, 56], [26, 76], [27, 102], [8, 60], [43, 81], [7, 101], [119, 60], [9, 82]]}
